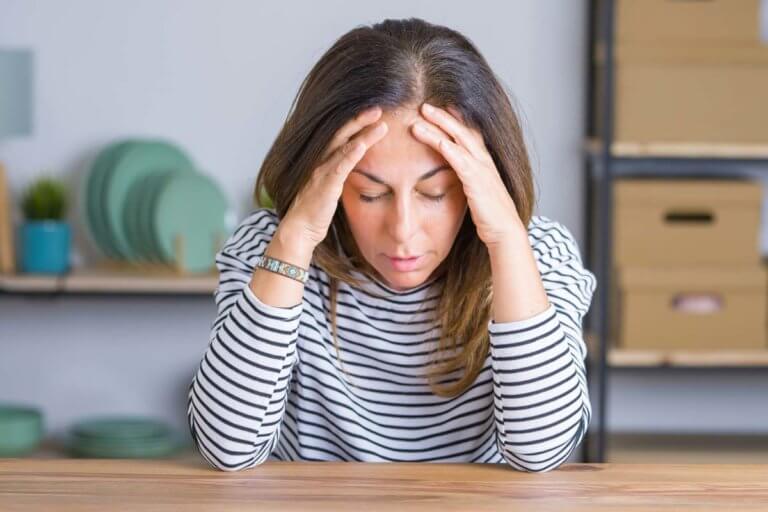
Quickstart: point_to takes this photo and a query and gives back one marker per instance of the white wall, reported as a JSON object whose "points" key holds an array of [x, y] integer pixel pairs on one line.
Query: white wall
{"points": [[218, 78]]}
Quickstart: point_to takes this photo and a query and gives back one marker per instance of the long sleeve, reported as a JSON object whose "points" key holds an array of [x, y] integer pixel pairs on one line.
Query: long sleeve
{"points": [[541, 398], [236, 400]]}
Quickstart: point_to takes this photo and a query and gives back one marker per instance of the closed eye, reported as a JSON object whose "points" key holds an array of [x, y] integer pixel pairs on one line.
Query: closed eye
{"points": [[371, 199]]}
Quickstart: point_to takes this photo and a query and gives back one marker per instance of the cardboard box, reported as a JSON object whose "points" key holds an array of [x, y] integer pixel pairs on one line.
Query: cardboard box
{"points": [[690, 308], [686, 222], [689, 95], [688, 22]]}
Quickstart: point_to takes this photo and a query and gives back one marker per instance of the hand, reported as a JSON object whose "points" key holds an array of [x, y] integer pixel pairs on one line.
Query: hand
{"points": [[491, 207], [311, 212]]}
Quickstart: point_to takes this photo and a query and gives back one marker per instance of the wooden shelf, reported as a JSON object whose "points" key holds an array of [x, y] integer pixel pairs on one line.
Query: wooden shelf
{"points": [[681, 149], [686, 358], [626, 358], [687, 448], [111, 278]]}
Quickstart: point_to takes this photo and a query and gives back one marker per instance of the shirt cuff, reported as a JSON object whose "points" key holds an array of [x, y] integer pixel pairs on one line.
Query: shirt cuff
{"points": [[286, 313], [521, 325]]}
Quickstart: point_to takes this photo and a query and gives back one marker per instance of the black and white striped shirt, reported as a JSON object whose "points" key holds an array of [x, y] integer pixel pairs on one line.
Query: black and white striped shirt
{"points": [[270, 387]]}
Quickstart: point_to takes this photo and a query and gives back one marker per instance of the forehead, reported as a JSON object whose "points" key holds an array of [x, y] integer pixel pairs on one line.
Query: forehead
{"points": [[399, 156]]}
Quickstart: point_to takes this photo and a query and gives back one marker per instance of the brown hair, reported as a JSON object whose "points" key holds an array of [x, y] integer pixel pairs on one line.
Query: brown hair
{"points": [[392, 64]]}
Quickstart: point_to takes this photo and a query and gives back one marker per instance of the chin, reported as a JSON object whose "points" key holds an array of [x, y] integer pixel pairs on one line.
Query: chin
{"points": [[405, 280]]}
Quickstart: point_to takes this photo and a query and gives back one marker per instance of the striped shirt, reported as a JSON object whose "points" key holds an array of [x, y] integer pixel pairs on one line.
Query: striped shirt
{"points": [[269, 386]]}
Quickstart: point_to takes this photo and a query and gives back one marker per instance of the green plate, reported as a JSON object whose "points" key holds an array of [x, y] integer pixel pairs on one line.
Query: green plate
{"points": [[193, 207], [102, 184], [87, 197], [154, 187], [94, 196], [135, 162], [132, 216], [120, 427], [150, 448]]}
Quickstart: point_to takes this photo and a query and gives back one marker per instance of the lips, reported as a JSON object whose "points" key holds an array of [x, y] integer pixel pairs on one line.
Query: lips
{"points": [[404, 264]]}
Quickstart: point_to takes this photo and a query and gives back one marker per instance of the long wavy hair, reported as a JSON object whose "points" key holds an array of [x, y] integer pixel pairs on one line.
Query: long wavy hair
{"points": [[391, 64]]}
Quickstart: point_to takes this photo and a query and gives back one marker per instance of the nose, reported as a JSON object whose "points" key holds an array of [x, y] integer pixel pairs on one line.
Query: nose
{"points": [[403, 220]]}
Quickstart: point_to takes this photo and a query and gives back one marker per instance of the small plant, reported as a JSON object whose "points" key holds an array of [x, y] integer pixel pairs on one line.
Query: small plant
{"points": [[45, 199]]}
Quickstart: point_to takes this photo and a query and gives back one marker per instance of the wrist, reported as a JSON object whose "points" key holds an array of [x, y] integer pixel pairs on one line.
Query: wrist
{"points": [[288, 245], [515, 240]]}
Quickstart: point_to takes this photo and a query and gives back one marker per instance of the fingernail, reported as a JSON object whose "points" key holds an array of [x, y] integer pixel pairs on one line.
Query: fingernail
{"points": [[428, 107]]}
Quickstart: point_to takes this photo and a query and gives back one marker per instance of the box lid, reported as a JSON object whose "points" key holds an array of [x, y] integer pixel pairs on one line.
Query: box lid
{"points": [[689, 192], [699, 277]]}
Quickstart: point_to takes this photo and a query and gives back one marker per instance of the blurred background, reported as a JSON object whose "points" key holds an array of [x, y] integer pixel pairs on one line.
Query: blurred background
{"points": [[645, 121]]}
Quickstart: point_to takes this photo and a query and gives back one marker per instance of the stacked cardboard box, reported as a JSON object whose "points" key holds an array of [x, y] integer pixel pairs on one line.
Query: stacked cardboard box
{"points": [[688, 268], [690, 71]]}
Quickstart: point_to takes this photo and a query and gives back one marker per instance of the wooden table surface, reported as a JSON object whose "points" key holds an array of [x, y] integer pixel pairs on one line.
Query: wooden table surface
{"points": [[160, 485]]}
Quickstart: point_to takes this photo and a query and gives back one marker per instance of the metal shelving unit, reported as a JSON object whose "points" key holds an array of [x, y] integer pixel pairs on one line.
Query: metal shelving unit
{"points": [[606, 160]]}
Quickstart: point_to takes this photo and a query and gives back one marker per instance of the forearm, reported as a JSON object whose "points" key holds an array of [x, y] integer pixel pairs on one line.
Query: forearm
{"points": [[539, 385], [518, 292], [237, 399]]}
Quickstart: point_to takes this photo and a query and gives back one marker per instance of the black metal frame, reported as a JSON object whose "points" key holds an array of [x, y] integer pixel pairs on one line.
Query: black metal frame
{"points": [[601, 167]]}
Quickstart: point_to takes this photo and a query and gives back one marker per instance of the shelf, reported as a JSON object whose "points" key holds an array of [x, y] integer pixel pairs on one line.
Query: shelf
{"points": [[626, 358], [681, 150], [687, 448], [686, 358], [112, 279]]}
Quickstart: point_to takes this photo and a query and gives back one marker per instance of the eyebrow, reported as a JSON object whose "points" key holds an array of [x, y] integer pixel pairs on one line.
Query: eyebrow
{"points": [[423, 177]]}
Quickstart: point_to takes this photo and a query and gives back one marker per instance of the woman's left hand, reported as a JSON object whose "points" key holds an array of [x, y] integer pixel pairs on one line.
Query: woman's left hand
{"points": [[490, 205]]}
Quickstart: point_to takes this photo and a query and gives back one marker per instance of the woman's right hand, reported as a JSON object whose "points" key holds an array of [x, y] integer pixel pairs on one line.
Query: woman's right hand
{"points": [[310, 215]]}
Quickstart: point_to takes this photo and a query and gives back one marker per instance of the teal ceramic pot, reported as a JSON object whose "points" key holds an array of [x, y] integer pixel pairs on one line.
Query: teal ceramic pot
{"points": [[45, 247]]}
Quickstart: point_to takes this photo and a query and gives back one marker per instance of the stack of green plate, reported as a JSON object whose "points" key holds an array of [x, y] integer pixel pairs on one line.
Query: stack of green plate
{"points": [[145, 201], [21, 429], [122, 438]]}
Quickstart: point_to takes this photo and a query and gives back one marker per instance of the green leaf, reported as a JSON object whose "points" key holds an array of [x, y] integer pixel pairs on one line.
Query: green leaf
{"points": [[45, 199]]}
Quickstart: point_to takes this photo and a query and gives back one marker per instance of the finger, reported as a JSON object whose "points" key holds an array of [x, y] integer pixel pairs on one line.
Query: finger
{"points": [[349, 154], [473, 131], [456, 155], [351, 127], [456, 129]]}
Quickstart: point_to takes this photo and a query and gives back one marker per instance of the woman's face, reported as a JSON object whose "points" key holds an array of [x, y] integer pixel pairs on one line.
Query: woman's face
{"points": [[403, 199]]}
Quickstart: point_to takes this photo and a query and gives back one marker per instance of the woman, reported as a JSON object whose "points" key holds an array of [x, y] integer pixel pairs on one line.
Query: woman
{"points": [[326, 346]]}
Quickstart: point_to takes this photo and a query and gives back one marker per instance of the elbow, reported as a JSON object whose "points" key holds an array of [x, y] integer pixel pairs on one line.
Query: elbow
{"points": [[231, 465], [531, 464], [222, 457], [547, 455]]}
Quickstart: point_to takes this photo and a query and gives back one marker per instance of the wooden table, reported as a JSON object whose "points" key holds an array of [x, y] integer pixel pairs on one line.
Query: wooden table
{"points": [[188, 485]]}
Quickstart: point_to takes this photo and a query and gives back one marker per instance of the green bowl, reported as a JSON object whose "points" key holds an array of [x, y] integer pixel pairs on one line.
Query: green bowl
{"points": [[120, 427], [120, 437], [150, 448], [21, 429]]}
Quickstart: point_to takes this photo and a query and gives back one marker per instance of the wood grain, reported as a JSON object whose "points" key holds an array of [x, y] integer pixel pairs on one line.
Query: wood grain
{"points": [[7, 238], [162, 485], [680, 149], [113, 278]]}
